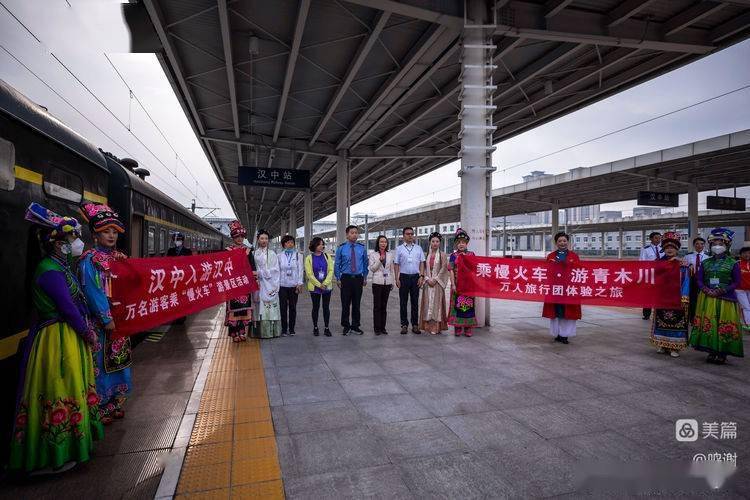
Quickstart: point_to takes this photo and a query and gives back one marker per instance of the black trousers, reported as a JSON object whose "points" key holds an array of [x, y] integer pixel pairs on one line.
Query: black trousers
{"points": [[316, 306], [380, 295], [288, 303], [351, 296], [409, 289]]}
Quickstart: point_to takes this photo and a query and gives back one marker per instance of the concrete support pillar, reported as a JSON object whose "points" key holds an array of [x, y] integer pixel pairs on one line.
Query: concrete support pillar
{"points": [[342, 198], [692, 212], [293, 221], [308, 219], [603, 245], [476, 138], [505, 235], [555, 219], [620, 244], [643, 238], [367, 232]]}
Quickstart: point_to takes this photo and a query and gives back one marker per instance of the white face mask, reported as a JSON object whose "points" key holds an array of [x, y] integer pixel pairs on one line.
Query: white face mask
{"points": [[718, 249], [178, 243], [75, 248]]}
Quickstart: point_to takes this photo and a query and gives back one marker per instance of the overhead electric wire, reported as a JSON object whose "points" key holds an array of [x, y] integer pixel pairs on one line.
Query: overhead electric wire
{"points": [[98, 100], [122, 148]]}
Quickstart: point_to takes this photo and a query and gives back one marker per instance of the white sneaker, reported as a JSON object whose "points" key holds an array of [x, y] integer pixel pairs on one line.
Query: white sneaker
{"points": [[674, 354], [660, 350]]}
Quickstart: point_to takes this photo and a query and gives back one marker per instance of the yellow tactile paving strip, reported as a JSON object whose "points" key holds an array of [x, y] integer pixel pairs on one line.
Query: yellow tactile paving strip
{"points": [[232, 451]]}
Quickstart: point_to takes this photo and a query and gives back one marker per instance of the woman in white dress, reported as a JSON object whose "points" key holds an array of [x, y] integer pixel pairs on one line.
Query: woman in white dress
{"points": [[266, 301]]}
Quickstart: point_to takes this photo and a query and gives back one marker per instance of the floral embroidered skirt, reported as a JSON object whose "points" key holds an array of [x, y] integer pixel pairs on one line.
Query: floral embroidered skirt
{"points": [[669, 328], [716, 326], [112, 369], [57, 418], [462, 313], [239, 316]]}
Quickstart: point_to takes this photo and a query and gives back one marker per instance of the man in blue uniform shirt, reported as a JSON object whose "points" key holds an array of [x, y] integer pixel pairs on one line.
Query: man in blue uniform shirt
{"points": [[350, 270]]}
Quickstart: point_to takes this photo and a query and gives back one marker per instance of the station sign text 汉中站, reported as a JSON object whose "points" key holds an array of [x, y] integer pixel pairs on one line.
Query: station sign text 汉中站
{"points": [[273, 177]]}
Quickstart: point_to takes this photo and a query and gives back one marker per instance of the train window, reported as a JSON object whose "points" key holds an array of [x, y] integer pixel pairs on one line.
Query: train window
{"points": [[7, 165], [162, 240], [151, 240], [59, 183]]}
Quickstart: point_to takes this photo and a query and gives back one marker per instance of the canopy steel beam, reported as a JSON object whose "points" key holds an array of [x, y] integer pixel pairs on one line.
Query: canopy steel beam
{"points": [[552, 7], [580, 26], [228, 58], [304, 7], [359, 59], [626, 10], [405, 10], [691, 16]]}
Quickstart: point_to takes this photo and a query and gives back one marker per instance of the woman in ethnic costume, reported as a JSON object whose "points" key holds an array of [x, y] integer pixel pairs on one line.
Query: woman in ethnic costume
{"points": [[239, 318], [435, 292], [669, 327], [716, 326], [562, 317], [268, 313], [57, 411], [462, 315], [112, 356]]}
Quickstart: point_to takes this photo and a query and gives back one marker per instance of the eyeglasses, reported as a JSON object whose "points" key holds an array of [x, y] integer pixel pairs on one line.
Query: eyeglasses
{"points": [[409, 234]]}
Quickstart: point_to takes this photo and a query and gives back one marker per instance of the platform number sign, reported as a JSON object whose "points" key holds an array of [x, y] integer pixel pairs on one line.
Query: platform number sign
{"points": [[273, 177], [658, 199], [725, 203]]}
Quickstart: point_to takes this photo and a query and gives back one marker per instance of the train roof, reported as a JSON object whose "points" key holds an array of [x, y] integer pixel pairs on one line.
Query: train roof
{"points": [[141, 186], [23, 109]]}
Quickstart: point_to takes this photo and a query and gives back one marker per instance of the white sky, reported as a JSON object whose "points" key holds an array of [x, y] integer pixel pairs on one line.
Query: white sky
{"points": [[80, 32]]}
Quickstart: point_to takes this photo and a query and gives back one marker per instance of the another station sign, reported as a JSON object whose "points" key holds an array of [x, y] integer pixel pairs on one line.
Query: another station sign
{"points": [[273, 177], [725, 203], [658, 199]]}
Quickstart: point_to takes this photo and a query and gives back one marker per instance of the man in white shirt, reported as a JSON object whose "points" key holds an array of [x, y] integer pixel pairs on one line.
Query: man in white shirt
{"points": [[409, 268], [652, 251], [693, 260]]}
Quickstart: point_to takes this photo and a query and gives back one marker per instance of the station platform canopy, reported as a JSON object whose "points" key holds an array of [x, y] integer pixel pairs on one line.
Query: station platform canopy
{"points": [[302, 83], [716, 163]]}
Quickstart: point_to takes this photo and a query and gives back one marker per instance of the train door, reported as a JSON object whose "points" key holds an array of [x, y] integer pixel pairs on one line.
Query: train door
{"points": [[136, 236]]}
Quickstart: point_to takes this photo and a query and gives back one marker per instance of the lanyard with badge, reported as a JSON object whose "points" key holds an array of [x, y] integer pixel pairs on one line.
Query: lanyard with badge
{"points": [[289, 264], [409, 259], [321, 271]]}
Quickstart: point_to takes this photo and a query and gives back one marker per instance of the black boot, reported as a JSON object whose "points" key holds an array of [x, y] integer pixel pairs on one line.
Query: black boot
{"points": [[564, 340], [327, 332], [316, 332]]}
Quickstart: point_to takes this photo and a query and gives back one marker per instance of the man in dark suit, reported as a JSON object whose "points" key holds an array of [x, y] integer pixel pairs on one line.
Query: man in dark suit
{"points": [[179, 249]]}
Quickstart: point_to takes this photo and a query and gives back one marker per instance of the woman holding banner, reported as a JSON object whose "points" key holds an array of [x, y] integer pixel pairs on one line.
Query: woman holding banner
{"points": [[239, 315], [462, 315], [669, 327], [268, 314], [716, 326], [562, 317], [57, 413], [112, 356], [435, 291]]}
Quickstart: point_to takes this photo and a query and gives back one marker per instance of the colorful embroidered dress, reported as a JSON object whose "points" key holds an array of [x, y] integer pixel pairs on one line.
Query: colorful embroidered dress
{"points": [[462, 313], [566, 259], [669, 327], [112, 357], [57, 412], [239, 315], [716, 326]]}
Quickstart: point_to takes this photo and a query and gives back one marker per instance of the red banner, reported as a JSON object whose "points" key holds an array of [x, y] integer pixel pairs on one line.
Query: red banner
{"points": [[592, 282], [150, 292]]}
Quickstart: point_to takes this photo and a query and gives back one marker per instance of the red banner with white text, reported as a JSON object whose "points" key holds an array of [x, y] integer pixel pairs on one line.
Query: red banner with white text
{"points": [[150, 292], [591, 282]]}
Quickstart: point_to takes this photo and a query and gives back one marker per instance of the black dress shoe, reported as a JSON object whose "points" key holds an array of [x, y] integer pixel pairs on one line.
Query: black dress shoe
{"points": [[384, 332], [564, 340], [358, 330], [291, 334], [404, 330], [346, 331], [327, 332], [415, 330], [316, 332], [558, 339], [377, 332]]}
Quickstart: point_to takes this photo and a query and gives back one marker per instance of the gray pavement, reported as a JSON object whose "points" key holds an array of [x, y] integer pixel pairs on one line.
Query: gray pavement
{"points": [[506, 413]]}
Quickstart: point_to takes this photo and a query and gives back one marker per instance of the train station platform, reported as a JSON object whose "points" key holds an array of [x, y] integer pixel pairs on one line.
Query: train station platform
{"points": [[505, 414]]}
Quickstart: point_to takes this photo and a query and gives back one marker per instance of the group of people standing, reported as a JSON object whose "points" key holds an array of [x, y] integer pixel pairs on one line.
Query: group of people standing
{"points": [[426, 283], [715, 296], [75, 375]]}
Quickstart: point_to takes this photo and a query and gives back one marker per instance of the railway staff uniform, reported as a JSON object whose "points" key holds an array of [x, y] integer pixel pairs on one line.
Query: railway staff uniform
{"points": [[179, 249], [57, 414], [693, 261], [652, 251], [112, 356], [350, 269], [380, 264], [290, 283]]}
